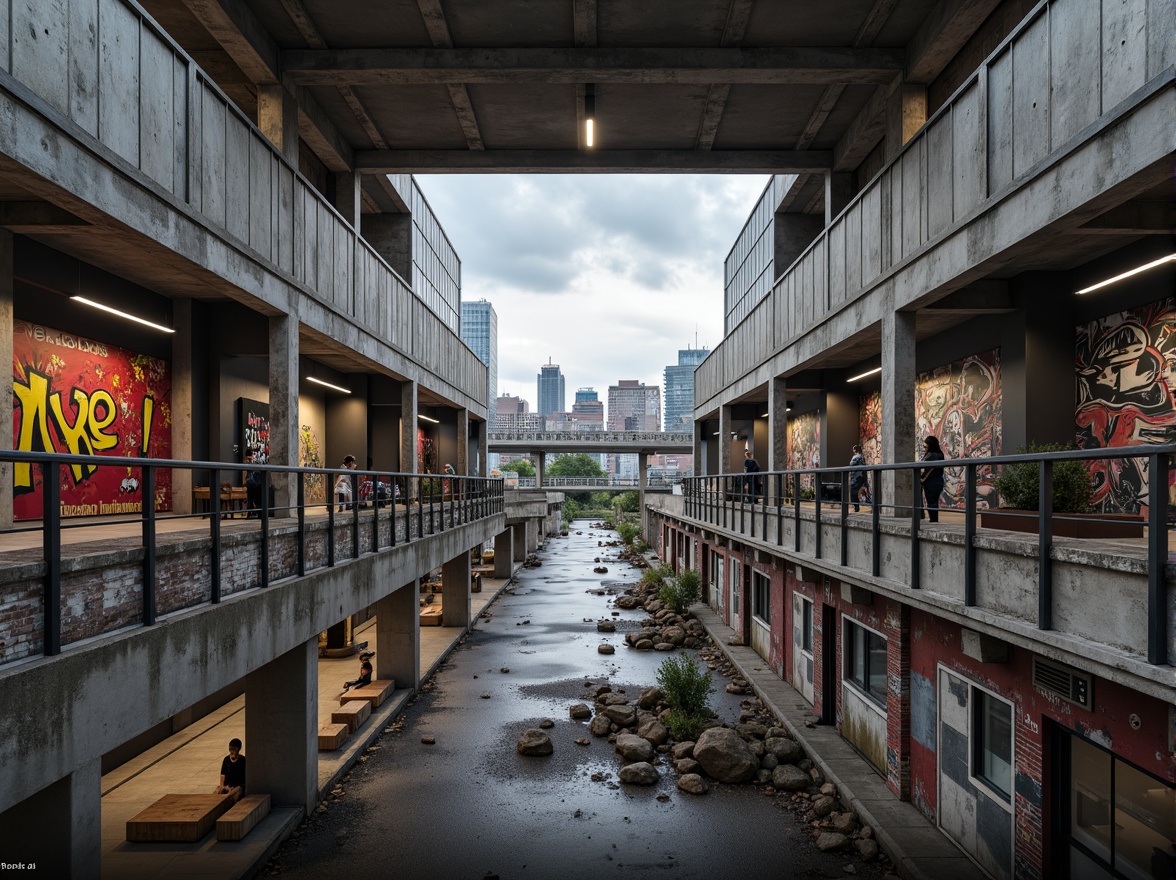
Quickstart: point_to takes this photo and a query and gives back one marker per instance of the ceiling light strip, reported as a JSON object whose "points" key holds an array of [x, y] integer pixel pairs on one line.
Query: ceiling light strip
{"points": [[126, 315]]}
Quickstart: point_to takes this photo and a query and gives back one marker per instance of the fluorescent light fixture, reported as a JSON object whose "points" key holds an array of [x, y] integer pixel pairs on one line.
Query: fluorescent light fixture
{"points": [[590, 115], [327, 385], [863, 375], [716, 433], [765, 415], [428, 418], [137, 320], [1168, 259]]}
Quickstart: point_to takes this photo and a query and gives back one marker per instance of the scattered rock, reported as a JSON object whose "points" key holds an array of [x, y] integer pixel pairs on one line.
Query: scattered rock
{"points": [[641, 773], [547, 724], [686, 766], [579, 712], [485, 696], [428, 740], [692, 783], [787, 751], [649, 698], [600, 569], [823, 806], [605, 626], [828, 841], [605, 649], [622, 716], [600, 725], [789, 777], [725, 756], [535, 743], [682, 750], [507, 668], [845, 823], [581, 742], [867, 849], [634, 748], [654, 731]]}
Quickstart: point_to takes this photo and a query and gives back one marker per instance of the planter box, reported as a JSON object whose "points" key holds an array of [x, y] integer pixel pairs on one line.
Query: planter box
{"points": [[1075, 525]]}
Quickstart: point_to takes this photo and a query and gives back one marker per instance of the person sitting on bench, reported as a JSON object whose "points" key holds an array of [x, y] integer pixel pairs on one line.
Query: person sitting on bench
{"points": [[365, 676], [232, 775]]}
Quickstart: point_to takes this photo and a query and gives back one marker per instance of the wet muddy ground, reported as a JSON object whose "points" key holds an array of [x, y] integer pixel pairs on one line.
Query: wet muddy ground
{"points": [[468, 806]]}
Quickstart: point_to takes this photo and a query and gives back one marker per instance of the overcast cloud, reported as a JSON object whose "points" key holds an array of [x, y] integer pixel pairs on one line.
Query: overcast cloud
{"points": [[606, 275]]}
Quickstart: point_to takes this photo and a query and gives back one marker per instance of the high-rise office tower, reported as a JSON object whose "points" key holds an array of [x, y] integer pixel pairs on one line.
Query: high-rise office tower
{"points": [[680, 390], [551, 389], [479, 330], [632, 406], [590, 409]]}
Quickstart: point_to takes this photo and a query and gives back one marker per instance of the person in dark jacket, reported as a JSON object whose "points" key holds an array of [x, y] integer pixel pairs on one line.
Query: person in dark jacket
{"points": [[857, 479], [750, 468], [931, 478]]}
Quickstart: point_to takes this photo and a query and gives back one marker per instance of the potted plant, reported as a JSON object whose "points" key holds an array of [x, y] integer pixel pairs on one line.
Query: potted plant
{"points": [[1019, 488]]}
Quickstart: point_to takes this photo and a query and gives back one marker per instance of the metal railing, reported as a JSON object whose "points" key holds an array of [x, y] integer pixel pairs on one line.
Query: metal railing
{"points": [[758, 505], [599, 482], [412, 505]]}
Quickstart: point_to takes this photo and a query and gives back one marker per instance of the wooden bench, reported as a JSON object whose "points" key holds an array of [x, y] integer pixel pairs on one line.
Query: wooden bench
{"points": [[185, 818], [353, 714], [239, 821], [431, 615], [331, 736], [375, 693]]}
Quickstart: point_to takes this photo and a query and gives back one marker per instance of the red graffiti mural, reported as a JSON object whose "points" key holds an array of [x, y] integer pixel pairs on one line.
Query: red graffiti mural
{"points": [[77, 395]]}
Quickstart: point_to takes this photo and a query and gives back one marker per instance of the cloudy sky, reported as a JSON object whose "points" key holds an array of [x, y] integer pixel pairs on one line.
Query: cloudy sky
{"points": [[606, 275]]}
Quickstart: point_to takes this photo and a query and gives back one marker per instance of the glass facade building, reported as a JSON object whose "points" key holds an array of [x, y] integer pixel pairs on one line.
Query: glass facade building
{"points": [[551, 390], [679, 378], [479, 330], [436, 269], [750, 268]]}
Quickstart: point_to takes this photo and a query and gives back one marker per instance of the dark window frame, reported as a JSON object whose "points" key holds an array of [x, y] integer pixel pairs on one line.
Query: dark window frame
{"points": [[871, 645]]}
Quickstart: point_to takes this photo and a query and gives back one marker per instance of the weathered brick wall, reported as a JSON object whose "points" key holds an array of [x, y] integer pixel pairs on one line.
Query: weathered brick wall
{"points": [[898, 698]]}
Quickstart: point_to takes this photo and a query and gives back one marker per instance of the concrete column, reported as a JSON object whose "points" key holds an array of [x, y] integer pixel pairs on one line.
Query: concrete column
{"points": [[642, 480], [409, 463], [277, 117], [398, 636], [462, 465], [181, 403], [906, 112], [520, 540], [59, 828], [724, 439], [281, 727], [504, 553], [455, 591], [6, 346], [898, 405], [483, 429], [840, 188], [540, 461], [390, 235], [700, 466], [777, 424], [283, 402], [347, 199], [793, 233]]}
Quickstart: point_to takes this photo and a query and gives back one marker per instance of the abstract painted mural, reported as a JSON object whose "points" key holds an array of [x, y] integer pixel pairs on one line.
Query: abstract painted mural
{"points": [[1125, 366], [870, 426], [82, 396], [804, 445], [310, 455]]}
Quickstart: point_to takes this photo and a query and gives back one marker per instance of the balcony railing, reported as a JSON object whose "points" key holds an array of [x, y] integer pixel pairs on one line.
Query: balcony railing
{"points": [[768, 505], [383, 510]]}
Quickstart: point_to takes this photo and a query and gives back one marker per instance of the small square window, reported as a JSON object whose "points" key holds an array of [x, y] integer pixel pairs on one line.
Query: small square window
{"points": [[865, 661], [992, 743]]}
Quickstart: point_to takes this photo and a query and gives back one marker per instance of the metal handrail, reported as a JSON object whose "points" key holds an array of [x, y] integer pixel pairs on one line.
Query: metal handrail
{"points": [[726, 500]]}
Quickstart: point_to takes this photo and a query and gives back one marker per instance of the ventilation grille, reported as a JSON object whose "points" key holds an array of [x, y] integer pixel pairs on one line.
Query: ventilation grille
{"points": [[1062, 681]]}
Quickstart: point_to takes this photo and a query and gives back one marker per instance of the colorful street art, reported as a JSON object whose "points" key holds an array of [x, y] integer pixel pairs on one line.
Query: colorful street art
{"points": [[804, 445], [81, 396], [253, 420], [870, 426], [310, 455], [1126, 375]]}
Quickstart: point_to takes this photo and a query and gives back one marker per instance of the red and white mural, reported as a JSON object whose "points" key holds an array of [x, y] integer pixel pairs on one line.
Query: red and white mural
{"points": [[804, 445], [81, 396]]}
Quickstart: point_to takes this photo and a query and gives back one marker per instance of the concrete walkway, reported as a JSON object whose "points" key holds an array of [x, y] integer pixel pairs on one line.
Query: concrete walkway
{"points": [[189, 762], [918, 850]]}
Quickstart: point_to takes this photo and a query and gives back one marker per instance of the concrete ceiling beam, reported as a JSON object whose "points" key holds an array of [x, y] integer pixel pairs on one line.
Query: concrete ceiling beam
{"points": [[1134, 218], [948, 26], [38, 218], [650, 66], [604, 161]]}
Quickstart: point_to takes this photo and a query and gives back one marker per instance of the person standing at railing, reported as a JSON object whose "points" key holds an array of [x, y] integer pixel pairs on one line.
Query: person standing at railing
{"points": [[931, 478], [857, 479], [750, 468], [343, 484]]}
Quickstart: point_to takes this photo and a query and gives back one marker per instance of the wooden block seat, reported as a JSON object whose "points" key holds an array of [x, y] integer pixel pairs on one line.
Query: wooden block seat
{"points": [[431, 615], [352, 713], [375, 693], [331, 736], [239, 821], [185, 818]]}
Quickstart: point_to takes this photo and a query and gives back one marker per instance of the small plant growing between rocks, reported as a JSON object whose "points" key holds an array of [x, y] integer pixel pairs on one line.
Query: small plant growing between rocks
{"points": [[656, 575], [686, 684], [629, 532], [681, 592]]}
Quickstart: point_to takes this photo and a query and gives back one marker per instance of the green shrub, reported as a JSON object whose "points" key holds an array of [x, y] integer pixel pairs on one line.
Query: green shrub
{"points": [[1019, 484], [629, 532], [684, 726], [656, 575], [686, 684], [681, 592]]}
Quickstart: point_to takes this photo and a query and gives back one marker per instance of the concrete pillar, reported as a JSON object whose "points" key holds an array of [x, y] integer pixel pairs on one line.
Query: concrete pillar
{"points": [[531, 527], [6, 346], [59, 828], [793, 233], [906, 112], [455, 591], [283, 403], [398, 636], [347, 199], [520, 540], [777, 424], [181, 403], [840, 188], [277, 117], [483, 430], [504, 553], [540, 460], [462, 465], [642, 481], [390, 235], [724, 439], [700, 466], [409, 463], [898, 405], [281, 727]]}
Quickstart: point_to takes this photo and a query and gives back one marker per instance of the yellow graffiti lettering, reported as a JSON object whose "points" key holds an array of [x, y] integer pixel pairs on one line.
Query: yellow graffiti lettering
{"points": [[148, 412], [34, 424], [77, 435], [101, 400]]}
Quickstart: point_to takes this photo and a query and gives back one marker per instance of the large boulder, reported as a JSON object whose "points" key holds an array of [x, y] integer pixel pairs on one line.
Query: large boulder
{"points": [[608, 698], [725, 756], [692, 783], [789, 777], [641, 773], [580, 712], [682, 750], [634, 748], [622, 716], [674, 634], [649, 698], [601, 725], [535, 743], [786, 750], [654, 731]]}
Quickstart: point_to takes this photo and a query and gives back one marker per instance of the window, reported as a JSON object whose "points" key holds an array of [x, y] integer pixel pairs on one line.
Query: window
{"points": [[761, 602], [806, 625], [992, 743], [865, 661], [717, 578], [735, 586]]}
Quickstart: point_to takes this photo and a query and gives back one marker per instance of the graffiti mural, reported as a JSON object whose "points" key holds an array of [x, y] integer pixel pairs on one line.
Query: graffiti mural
{"points": [[253, 419], [310, 455], [78, 395], [1126, 376], [960, 403], [870, 426], [804, 445]]}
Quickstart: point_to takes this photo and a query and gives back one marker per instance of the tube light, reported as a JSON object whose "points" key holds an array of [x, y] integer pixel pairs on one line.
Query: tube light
{"points": [[327, 385], [428, 418], [129, 317], [590, 115], [863, 375], [1168, 259], [765, 415]]}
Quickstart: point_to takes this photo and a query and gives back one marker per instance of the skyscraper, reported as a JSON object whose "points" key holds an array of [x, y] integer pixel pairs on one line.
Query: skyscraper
{"points": [[551, 389], [590, 409], [680, 389], [632, 406], [479, 330]]}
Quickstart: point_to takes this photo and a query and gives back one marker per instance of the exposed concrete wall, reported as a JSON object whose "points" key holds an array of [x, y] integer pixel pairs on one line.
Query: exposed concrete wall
{"points": [[59, 828], [455, 591], [281, 727], [398, 633]]}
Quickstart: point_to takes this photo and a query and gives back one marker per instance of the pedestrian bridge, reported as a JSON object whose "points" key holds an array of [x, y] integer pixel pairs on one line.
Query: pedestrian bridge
{"points": [[603, 484], [616, 442]]}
